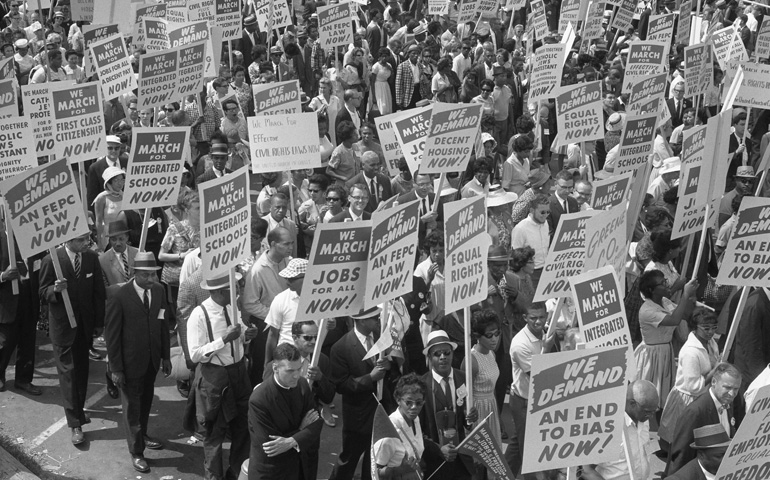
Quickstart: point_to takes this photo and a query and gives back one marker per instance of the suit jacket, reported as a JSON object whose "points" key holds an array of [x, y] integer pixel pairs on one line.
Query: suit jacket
{"points": [[95, 183], [374, 39], [481, 73], [111, 267], [691, 471], [324, 389], [557, 211], [676, 119], [136, 339], [245, 45], [209, 175], [86, 293], [306, 76], [699, 413], [270, 414], [343, 115], [405, 83], [8, 301], [383, 185], [344, 216]]}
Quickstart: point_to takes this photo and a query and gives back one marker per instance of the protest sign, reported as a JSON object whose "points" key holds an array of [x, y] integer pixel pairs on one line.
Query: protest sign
{"points": [[228, 18], [593, 27], [91, 34], [746, 457], [762, 47], [391, 254], [638, 191], [636, 142], [513, 5], [698, 69], [284, 142], [540, 23], [754, 87], [78, 121], [411, 129], [82, 10], [466, 11], [646, 91], [660, 29], [689, 215], [334, 25], [140, 12], [579, 113], [466, 244], [335, 280], [191, 68], [487, 8], [565, 256], [114, 11], [570, 12], [453, 131], [611, 192], [36, 99], [8, 105], [576, 408], [605, 240], [155, 166], [44, 207], [155, 34], [191, 33], [727, 45], [438, 7], [113, 66], [276, 98], [158, 74], [684, 22], [390, 146], [176, 11], [600, 310], [746, 262], [200, 10], [644, 59], [481, 444], [17, 147], [225, 222], [7, 69], [624, 15], [547, 66], [280, 12], [711, 184]]}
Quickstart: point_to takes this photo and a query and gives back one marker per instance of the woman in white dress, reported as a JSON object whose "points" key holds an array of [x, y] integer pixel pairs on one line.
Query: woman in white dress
{"points": [[381, 72], [328, 103]]}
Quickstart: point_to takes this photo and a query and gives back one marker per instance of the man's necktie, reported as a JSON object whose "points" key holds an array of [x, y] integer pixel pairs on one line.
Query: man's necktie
{"points": [[369, 342], [424, 206], [124, 263], [146, 298], [447, 392], [77, 265], [373, 189]]}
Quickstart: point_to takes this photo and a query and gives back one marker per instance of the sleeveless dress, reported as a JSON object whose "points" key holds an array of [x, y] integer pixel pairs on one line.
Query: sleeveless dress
{"points": [[484, 391], [382, 89]]}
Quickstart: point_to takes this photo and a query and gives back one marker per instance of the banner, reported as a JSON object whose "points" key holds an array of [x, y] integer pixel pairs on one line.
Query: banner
{"points": [[148, 10], [746, 457], [646, 91], [391, 149], [192, 33], [624, 15], [466, 244], [36, 100], [92, 34], [155, 34], [579, 114], [17, 147], [113, 67], [453, 131], [8, 105], [155, 167], [78, 121], [481, 444], [762, 46], [82, 10], [576, 409], [277, 98], [644, 59], [412, 129], [397, 324], [228, 18], [44, 207], [683, 25], [746, 262], [600, 310], [754, 87], [547, 67], [225, 222], [335, 281], [284, 142], [727, 45], [334, 25], [636, 142], [565, 256], [605, 242], [698, 70], [391, 256], [611, 192]]}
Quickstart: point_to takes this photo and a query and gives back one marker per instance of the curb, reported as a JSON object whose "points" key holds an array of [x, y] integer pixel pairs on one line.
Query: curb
{"points": [[12, 469]]}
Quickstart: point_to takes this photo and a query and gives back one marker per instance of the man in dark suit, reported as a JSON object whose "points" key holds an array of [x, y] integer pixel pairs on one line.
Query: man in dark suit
{"points": [[711, 442], [218, 156], [376, 183], [249, 38], [445, 409], [137, 337], [484, 70], [359, 199], [349, 112], [429, 220], [118, 262], [95, 184], [84, 285], [374, 34], [307, 80], [356, 380], [561, 200], [677, 105], [284, 424], [713, 407]]}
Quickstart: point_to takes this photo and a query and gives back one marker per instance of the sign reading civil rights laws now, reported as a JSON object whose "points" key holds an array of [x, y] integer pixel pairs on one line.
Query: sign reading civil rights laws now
{"points": [[576, 405], [225, 222], [155, 166], [600, 310], [335, 280], [466, 244], [44, 207], [546, 71], [334, 25], [284, 142], [391, 256], [746, 261], [644, 59], [17, 147], [277, 98], [78, 121], [579, 113], [746, 457], [636, 142], [606, 240], [412, 129], [754, 87], [453, 131], [113, 66], [611, 192], [391, 149]]}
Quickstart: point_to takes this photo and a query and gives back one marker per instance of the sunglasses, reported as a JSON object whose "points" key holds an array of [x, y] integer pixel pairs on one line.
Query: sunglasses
{"points": [[492, 335], [113, 148], [332, 199], [308, 338], [440, 353]]}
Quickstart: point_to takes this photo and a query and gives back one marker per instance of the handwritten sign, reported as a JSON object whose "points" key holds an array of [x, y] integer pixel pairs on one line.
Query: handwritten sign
{"points": [[284, 142]]}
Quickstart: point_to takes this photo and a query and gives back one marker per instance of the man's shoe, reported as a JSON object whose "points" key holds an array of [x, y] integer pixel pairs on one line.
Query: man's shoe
{"points": [[94, 355], [152, 443], [77, 436], [86, 419], [328, 417], [183, 387], [28, 387], [140, 464], [2, 385], [112, 389]]}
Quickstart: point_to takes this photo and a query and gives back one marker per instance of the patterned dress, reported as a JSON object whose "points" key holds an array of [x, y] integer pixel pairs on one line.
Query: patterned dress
{"points": [[484, 390]]}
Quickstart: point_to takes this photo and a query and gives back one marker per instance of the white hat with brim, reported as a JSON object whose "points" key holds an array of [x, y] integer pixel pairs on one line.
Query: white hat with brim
{"points": [[367, 313], [114, 139], [438, 337], [446, 189], [110, 173], [219, 283], [497, 196], [616, 122]]}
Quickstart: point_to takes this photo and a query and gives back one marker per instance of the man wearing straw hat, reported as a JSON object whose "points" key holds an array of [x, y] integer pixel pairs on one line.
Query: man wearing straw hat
{"points": [[711, 444], [216, 338], [95, 184], [118, 262], [219, 155], [137, 337]]}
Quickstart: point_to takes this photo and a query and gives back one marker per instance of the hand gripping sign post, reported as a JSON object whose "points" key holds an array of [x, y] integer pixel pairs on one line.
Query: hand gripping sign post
{"points": [[45, 209], [113, 66], [746, 457], [452, 133], [284, 142], [277, 98], [576, 408]]}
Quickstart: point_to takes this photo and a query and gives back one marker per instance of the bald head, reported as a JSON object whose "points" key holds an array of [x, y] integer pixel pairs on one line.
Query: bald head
{"points": [[641, 400], [370, 162]]}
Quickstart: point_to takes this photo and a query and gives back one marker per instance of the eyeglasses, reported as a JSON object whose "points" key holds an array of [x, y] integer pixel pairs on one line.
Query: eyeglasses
{"points": [[332, 199], [360, 199], [492, 335], [586, 194], [411, 404], [308, 338], [440, 353], [566, 187], [708, 328], [113, 148]]}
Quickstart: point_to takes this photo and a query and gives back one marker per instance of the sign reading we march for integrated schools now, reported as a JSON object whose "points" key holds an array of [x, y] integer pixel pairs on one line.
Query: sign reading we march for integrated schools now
{"points": [[453, 131], [600, 310], [225, 222], [636, 142], [466, 244], [746, 261], [155, 167], [171, 74], [78, 121]]}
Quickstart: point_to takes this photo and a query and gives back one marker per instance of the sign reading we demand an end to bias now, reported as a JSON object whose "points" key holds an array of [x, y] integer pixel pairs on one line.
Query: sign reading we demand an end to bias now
{"points": [[576, 406], [155, 167], [747, 257]]}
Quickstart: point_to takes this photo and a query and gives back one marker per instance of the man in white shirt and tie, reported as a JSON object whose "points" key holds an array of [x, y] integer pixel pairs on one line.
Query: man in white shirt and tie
{"points": [[112, 159], [380, 189], [117, 262], [429, 220], [561, 200]]}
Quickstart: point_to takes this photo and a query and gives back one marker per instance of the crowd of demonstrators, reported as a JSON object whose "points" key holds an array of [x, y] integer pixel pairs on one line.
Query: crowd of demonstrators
{"points": [[400, 59]]}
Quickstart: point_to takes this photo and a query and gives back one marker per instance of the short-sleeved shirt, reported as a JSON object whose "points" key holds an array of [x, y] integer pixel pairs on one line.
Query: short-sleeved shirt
{"points": [[523, 346], [533, 234], [650, 316], [283, 311]]}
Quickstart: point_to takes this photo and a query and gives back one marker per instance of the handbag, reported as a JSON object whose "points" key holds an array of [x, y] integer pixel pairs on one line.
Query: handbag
{"points": [[716, 294], [179, 370]]}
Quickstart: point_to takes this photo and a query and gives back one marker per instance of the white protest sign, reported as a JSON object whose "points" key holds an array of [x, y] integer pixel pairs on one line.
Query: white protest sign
{"points": [[746, 457], [683, 25], [646, 91], [690, 216], [453, 131], [579, 115], [36, 99], [225, 222], [335, 280], [281, 15], [155, 34], [78, 121], [661, 28], [276, 98], [176, 11], [44, 207], [8, 105], [155, 166], [727, 45], [140, 12], [228, 18], [158, 74], [17, 147], [191, 67], [284, 142], [547, 67], [191, 33], [411, 129], [600, 310], [593, 27], [200, 10], [82, 10], [466, 11], [466, 244], [611, 192], [636, 142], [624, 15], [7, 69], [606, 240], [754, 87], [570, 12], [334, 25], [391, 149], [698, 69], [113, 66], [762, 46], [746, 262], [540, 22], [438, 7], [91, 34], [644, 59]]}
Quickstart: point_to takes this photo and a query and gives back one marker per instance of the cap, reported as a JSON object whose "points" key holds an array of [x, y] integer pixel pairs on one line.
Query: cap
{"points": [[295, 268], [497, 196], [36, 26], [58, 14], [438, 337], [302, 32], [21, 43], [113, 139], [745, 172], [145, 261]]}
